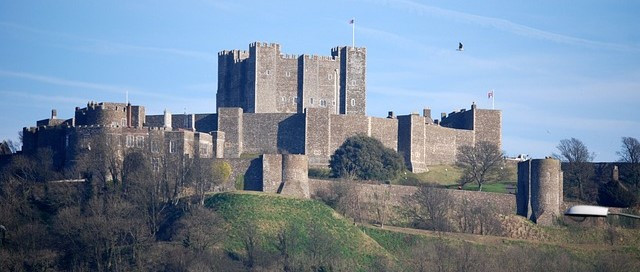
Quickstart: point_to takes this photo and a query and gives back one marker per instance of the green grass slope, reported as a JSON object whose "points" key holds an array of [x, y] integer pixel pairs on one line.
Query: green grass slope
{"points": [[268, 214]]}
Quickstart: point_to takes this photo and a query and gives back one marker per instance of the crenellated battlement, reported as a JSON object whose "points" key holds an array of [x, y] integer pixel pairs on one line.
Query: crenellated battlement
{"points": [[264, 44]]}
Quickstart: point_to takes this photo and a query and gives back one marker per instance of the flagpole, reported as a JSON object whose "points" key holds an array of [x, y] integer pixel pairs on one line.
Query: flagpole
{"points": [[353, 32], [493, 100]]}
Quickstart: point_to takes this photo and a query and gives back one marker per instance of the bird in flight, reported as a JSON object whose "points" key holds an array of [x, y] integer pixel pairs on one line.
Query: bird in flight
{"points": [[460, 47]]}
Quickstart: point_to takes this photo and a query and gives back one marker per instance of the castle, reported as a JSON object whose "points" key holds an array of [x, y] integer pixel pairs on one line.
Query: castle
{"points": [[277, 115], [270, 103]]}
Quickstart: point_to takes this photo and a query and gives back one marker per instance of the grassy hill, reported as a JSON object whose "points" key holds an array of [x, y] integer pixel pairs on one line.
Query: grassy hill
{"points": [[316, 228], [367, 248]]}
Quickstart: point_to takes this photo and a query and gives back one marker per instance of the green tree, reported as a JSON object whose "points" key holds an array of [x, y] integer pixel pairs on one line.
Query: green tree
{"points": [[481, 163], [362, 157]]}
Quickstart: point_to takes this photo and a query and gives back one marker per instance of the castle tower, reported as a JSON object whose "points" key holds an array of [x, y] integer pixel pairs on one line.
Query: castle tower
{"points": [[353, 64], [539, 194], [295, 177], [262, 80]]}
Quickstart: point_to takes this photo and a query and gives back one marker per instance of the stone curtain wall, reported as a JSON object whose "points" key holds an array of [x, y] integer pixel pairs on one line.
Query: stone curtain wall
{"points": [[385, 130], [273, 133], [250, 170], [345, 126], [501, 203], [230, 122]]}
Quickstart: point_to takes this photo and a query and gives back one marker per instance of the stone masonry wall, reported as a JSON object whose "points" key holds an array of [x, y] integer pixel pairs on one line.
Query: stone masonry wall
{"points": [[230, 122], [271, 172], [501, 203], [318, 131], [273, 133], [345, 126], [487, 126], [385, 130], [540, 190], [266, 58], [441, 143]]}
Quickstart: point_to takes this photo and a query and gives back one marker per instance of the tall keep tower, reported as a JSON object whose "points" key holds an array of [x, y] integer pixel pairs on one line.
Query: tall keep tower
{"points": [[262, 80]]}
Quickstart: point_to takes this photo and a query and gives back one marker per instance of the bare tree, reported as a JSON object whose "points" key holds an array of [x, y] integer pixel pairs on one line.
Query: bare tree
{"points": [[381, 205], [8, 147], [481, 163], [578, 158], [630, 150], [428, 208], [630, 153]]}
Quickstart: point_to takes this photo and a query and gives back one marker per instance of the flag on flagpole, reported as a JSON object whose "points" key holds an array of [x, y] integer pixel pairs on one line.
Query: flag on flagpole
{"points": [[490, 94], [352, 22]]}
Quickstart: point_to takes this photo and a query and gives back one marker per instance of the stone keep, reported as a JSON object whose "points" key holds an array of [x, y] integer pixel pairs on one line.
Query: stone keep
{"points": [[539, 194], [263, 80]]}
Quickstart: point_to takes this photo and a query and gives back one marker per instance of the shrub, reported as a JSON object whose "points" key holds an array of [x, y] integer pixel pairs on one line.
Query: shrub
{"points": [[321, 173], [365, 158]]}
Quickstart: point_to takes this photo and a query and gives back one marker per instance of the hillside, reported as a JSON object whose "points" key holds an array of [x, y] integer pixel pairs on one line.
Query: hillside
{"points": [[370, 248], [317, 229]]}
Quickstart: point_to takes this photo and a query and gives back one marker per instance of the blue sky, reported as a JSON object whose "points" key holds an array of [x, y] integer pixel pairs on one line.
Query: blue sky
{"points": [[559, 69]]}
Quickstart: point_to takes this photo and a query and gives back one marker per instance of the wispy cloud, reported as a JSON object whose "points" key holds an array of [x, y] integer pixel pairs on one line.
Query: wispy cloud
{"points": [[50, 98], [102, 46], [64, 82], [503, 24], [89, 85]]}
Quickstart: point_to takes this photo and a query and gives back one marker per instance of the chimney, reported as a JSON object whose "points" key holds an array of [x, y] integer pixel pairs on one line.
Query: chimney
{"points": [[193, 122], [473, 105], [54, 114], [167, 119], [615, 174], [129, 115], [426, 112], [391, 115]]}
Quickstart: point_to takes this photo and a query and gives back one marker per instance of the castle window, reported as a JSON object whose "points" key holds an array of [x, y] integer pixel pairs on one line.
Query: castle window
{"points": [[287, 74], [123, 122], [295, 100], [267, 72], [204, 150], [311, 100], [129, 142], [155, 164], [353, 102], [139, 141], [323, 103], [284, 99], [66, 141], [154, 146], [173, 148], [330, 76]]}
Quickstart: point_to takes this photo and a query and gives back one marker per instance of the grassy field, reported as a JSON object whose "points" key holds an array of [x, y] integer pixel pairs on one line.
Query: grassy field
{"points": [[449, 176]]}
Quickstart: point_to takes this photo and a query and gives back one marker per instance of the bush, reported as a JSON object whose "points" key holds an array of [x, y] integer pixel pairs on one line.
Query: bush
{"points": [[365, 158], [321, 173], [239, 183]]}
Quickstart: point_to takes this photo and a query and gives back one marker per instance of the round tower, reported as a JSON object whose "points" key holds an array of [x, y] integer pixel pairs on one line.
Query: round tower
{"points": [[295, 177], [540, 190]]}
